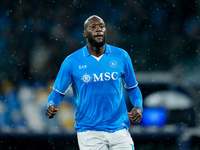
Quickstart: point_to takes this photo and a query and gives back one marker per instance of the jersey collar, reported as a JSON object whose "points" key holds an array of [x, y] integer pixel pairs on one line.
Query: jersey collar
{"points": [[86, 52]]}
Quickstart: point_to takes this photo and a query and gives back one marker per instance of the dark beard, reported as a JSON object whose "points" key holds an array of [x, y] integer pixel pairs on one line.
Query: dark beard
{"points": [[95, 43]]}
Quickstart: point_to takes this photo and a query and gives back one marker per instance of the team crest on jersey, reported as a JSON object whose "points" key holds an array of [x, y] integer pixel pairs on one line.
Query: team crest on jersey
{"points": [[86, 78], [113, 64]]}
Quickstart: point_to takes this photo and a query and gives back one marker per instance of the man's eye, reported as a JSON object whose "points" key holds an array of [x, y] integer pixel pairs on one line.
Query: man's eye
{"points": [[92, 27]]}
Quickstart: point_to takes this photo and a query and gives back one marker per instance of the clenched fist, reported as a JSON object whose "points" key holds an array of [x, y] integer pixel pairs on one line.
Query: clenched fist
{"points": [[135, 115], [51, 111]]}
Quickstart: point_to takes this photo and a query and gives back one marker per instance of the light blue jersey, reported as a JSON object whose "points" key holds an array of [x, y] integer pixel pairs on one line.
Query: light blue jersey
{"points": [[98, 87]]}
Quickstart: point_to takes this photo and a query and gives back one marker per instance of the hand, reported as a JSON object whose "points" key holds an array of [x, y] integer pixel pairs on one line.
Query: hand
{"points": [[51, 111], [135, 115]]}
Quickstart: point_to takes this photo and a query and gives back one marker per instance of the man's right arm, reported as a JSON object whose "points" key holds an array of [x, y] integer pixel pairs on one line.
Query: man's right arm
{"points": [[53, 102], [63, 80]]}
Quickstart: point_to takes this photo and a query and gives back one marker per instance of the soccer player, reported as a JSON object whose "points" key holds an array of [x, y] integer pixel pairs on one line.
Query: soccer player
{"points": [[97, 74]]}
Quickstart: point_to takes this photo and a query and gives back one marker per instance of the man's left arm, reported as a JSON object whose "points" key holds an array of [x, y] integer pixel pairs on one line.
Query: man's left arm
{"points": [[135, 96], [131, 86]]}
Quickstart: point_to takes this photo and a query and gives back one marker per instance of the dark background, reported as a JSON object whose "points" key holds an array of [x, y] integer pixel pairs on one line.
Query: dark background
{"points": [[161, 37]]}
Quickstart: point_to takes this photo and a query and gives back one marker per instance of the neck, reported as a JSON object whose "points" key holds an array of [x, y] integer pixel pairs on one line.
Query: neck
{"points": [[96, 51]]}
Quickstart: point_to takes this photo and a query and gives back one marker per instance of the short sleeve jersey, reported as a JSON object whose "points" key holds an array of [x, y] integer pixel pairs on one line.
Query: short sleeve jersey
{"points": [[98, 87]]}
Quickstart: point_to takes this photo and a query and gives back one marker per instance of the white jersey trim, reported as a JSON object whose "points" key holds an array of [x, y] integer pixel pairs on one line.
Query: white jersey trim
{"points": [[59, 91], [97, 58], [131, 87]]}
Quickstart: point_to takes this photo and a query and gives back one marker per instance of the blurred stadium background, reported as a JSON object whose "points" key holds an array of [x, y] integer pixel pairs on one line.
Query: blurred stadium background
{"points": [[162, 38]]}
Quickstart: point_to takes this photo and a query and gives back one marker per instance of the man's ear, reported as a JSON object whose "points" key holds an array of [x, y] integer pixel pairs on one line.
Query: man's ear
{"points": [[84, 34]]}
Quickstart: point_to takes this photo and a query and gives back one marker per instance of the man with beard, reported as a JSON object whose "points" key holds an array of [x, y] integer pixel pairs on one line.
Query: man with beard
{"points": [[97, 74]]}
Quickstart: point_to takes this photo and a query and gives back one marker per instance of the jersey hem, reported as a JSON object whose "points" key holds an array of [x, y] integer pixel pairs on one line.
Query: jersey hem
{"points": [[105, 130]]}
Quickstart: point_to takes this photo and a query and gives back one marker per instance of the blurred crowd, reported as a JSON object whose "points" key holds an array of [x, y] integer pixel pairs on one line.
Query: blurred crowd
{"points": [[37, 35]]}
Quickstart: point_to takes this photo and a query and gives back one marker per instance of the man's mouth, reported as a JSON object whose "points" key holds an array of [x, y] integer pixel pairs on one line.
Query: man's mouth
{"points": [[98, 36]]}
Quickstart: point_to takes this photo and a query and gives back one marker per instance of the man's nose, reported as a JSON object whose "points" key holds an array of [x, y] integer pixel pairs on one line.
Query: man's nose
{"points": [[98, 28]]}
